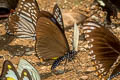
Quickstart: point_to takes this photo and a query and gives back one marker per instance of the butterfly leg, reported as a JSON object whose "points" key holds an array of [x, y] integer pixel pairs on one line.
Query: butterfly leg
{"points": [[65, 64], [74, 67], [78, 61]]}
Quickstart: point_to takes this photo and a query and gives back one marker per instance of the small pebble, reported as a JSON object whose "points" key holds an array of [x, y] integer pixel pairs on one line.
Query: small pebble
{"points": [[84, 78]]}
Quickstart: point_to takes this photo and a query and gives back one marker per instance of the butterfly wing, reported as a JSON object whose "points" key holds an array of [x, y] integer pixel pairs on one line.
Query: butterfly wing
{"points": [[58, 16], [51, 17], [75, 37], [24, 64], [45, 14], [104, 47], [25, 75], [23, 21], [9, 72], [48, 15], [51, 41]]}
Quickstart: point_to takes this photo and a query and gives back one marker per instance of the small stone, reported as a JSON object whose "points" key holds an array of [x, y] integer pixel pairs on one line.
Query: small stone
{"points": [[57, 72], [89, 70], [28, 53], [84, 78]]}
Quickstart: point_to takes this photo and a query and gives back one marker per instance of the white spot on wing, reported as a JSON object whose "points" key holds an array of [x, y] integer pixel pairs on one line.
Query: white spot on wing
{"points": [[26, 13], [89, 27], [91, 24], [33, 4], [91, 52], [29, 4], [92, 40], [87, 31], [93, 57], [101, 65], [26, 5], [86, 36]]}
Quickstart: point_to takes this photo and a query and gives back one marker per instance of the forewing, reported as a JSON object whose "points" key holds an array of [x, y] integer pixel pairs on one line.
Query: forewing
{"points": [[50, 16], [51, 41]]}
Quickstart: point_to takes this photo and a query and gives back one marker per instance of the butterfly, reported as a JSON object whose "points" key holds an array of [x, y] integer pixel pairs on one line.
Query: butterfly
{"points": [[10, 73], [56, 17], [111, 7], [22, 22], [6, 7], [26, 75], [51, 40], [104, 50], [24, 64], [12, 6]]}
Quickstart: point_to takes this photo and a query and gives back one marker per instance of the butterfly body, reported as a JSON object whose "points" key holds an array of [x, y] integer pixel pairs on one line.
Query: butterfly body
{"points": [[70, 55]]}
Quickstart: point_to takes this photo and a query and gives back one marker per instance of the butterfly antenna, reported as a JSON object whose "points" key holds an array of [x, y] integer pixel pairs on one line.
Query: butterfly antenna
{"points": [[78, 60], [75, 68]]}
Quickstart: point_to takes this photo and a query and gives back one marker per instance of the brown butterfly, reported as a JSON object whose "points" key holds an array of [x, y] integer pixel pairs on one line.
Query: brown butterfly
{"points": [[56, 17], [10, 73], [51, 40], [104, 50], [23, 21]]}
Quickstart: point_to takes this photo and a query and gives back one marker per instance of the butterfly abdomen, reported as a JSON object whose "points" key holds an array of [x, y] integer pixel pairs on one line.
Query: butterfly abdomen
{"points": [[70, 55], [57, 62]]}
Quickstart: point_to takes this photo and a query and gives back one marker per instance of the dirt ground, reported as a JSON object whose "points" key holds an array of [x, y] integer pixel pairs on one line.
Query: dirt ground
{"points": [[13, 48]]}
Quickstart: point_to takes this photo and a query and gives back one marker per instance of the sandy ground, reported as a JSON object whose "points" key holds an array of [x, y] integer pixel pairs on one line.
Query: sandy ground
{"points": [[13, 49]]}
